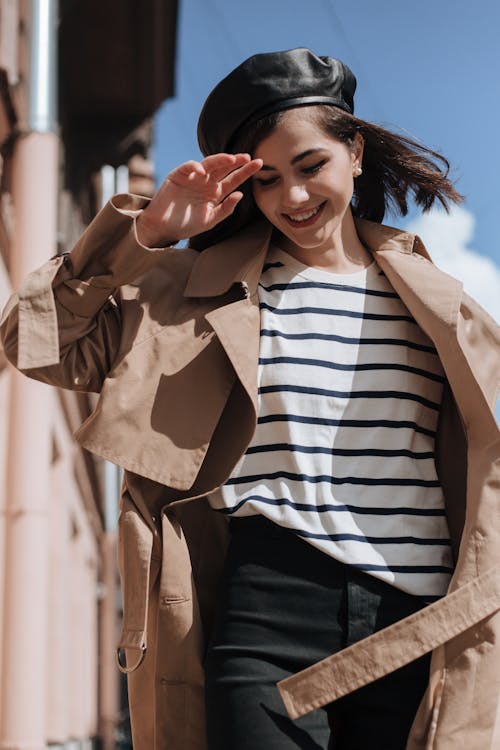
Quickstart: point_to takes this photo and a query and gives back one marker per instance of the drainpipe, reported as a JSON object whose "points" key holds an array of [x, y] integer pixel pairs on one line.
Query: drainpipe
{"points": [[112, 181], [25, 673]]}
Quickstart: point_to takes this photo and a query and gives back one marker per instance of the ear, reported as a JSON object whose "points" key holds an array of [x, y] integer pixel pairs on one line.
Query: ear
{"points": [[357, 149]]}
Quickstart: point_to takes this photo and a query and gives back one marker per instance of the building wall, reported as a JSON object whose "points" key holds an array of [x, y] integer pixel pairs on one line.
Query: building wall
{"points": [[70, 626], [64, 631]]}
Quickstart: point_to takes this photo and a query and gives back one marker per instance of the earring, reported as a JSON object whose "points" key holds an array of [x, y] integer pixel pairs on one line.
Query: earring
{"points": [[357, 170]]}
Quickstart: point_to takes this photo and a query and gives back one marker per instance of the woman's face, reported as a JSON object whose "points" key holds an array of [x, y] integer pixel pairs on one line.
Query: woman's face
{"points": [[306, 183]]}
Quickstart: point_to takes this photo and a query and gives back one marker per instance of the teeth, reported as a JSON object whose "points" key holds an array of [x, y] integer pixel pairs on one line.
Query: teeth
{"points": [[305, 216]]}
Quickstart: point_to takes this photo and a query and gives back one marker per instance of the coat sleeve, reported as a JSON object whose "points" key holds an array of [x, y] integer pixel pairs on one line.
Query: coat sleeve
{"points": [[63, 325]]}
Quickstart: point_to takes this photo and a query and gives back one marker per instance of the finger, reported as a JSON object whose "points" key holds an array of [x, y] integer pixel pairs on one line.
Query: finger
{"points": [[218, 172], [215, 160], [187, 170], [226, 208], [238, 176]]}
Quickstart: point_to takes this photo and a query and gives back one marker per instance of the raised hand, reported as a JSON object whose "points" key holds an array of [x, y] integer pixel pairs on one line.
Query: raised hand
{"points": [[195, 197]]}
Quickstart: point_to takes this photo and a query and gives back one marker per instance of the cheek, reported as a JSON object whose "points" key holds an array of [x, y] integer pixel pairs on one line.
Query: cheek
{"points": [[341, 182], [341, 192], [262, 202]]}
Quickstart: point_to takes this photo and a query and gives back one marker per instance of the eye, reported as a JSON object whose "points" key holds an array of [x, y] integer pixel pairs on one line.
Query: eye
{"points": [[265, 183], [314, 167]]}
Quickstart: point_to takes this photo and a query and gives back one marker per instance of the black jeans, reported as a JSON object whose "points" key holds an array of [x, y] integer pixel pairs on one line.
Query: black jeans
{"points": [[282, 606]]}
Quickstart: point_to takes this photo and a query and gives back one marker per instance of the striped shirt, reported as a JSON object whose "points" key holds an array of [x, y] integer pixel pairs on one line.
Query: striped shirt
{"points": [[349, 395]]}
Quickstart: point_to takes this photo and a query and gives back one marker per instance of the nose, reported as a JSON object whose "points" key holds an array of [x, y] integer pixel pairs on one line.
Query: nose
{"points": [[294, 195]]}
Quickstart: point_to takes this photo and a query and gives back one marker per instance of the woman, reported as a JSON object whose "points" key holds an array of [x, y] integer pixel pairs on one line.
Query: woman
{"points": [[295, 377]]}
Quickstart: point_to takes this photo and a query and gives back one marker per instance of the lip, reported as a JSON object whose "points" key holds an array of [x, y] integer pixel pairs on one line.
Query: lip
{"points": [[307, 222]]}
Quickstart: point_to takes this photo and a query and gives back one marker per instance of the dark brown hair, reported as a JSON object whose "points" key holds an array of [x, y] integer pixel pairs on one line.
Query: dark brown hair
{"points": [[394, 167]]}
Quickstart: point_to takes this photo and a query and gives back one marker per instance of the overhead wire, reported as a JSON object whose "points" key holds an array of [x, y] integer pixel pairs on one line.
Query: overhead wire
{"points": [[360, 68], [230, 38]]}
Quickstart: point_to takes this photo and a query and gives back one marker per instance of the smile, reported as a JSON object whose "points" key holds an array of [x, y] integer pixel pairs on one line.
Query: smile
{"points": [[305, 218]]}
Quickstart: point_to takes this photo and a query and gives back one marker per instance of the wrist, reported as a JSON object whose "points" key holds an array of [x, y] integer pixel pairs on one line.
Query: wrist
{"points": [[148, 236]]}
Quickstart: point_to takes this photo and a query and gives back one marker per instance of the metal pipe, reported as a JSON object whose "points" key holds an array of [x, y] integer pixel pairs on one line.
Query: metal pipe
{"points": [[42, 114], [112, 181]]}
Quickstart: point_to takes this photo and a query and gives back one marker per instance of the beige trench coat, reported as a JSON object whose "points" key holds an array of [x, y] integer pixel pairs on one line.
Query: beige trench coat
{"points": [[174, 357]]}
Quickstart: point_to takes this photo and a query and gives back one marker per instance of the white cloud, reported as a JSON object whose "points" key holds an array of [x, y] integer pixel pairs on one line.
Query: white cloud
{"points": [[447, 238]]}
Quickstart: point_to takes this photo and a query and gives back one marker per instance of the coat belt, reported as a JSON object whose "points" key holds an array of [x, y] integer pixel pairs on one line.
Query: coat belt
{"points": [[139, 568], [136, 568], [393, 647]]}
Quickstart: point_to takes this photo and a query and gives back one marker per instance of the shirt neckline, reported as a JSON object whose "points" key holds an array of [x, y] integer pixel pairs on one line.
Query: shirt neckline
{"points": [[319, 274]]}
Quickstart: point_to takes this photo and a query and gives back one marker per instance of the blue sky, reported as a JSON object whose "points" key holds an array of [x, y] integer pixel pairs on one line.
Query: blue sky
{"points": [[429, 69]]}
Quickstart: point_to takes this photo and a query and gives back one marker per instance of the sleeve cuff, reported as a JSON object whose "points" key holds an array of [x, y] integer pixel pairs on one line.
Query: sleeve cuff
{"points": [[107, 256], [38, 334]]}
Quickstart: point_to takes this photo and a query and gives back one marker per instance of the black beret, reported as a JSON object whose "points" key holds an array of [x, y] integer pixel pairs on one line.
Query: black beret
{"points": [[270, 82]]}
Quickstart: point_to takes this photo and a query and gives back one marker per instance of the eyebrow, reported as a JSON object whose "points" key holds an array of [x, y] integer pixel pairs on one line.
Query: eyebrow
{"points": [[299, 157]]}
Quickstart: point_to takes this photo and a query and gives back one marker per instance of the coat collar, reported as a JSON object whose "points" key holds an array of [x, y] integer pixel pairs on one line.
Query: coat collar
{"points": [[432, 295], [238, 259], [378, 237]]}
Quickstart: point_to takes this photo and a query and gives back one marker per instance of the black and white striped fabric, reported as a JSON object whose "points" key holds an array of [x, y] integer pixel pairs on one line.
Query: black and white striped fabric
{"points": [[349, 395]]}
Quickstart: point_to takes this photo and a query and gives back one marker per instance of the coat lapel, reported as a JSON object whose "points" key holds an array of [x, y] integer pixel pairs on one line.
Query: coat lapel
{"points": [[431, 295], [234, 267], [434, 299], [237, 326], [237, 260]]}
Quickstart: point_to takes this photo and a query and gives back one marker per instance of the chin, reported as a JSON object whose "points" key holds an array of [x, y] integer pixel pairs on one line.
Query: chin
{"points": [[310, 243]]}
